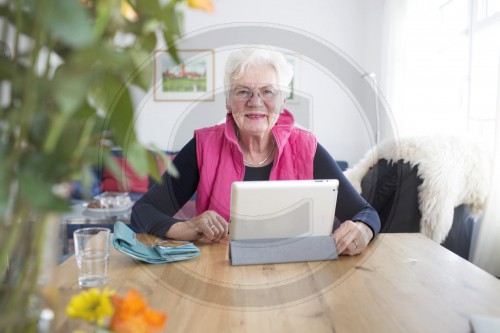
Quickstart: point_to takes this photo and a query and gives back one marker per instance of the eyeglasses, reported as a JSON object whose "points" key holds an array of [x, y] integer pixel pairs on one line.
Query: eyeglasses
{"points": [[244, 94]]}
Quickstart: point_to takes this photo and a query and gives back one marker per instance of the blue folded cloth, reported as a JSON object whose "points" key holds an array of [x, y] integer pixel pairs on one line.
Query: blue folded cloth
{"points": [[125, 241]]}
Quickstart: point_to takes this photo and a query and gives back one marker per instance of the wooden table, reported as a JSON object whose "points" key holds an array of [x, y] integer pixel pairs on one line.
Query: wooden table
{"points": [[401, 283]]}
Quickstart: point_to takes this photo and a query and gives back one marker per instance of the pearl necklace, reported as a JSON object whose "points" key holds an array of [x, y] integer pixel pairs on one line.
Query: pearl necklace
{"points": [[258, 163], [264, 160]]}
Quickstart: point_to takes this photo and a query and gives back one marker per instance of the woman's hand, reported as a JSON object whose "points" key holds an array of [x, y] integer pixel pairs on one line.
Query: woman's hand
{"points": [[352, 237], [208, 227]]}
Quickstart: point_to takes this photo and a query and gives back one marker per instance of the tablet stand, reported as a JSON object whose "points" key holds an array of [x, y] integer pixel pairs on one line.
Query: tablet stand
{"points": [[281, 250]]}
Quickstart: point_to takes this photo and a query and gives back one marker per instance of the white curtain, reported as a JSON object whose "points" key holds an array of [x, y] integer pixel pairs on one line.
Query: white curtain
{"points": [[485, 253], [394, 58], [425, 66]]}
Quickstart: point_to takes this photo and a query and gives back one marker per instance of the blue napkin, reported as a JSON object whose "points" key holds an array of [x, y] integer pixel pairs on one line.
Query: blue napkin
{"points": [[125, 241]]}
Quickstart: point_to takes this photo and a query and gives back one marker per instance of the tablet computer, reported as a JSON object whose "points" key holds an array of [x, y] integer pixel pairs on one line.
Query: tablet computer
{"points": [[282, 208]]}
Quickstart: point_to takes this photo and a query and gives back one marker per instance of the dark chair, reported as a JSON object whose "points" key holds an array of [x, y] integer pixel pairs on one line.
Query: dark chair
{"points": [[392, 189]]}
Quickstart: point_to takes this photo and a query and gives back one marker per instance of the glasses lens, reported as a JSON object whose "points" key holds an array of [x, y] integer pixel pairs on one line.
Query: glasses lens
{"points": [[268, 93], [242, 94]]}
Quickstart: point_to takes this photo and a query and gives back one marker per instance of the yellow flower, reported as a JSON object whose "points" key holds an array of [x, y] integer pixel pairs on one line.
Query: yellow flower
{"points": [[201, 4], [91, 305]]}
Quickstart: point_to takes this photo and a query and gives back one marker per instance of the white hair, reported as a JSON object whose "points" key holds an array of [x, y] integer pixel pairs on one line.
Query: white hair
{"points": [[240, 60]]}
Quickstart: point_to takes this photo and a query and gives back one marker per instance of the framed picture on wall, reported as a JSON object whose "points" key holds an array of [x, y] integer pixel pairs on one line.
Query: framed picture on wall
{"points": [[190, 80], [295, 62]]}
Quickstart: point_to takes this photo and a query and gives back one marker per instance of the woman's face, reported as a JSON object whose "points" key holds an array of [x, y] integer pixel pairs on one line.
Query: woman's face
{"points": [[255, 100]]}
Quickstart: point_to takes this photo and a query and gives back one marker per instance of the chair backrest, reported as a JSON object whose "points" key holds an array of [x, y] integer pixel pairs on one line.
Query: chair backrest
{"points": [[392, 189]]}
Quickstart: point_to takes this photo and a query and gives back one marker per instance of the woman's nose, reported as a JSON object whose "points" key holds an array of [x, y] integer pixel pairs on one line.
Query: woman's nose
{"points": [[255, 100]]}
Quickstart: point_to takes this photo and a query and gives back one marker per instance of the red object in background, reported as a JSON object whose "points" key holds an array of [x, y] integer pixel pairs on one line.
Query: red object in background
{"points": [[127, 181]]}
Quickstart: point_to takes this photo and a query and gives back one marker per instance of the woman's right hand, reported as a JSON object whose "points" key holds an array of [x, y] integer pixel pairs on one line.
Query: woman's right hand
{"points": [[208, 227]]}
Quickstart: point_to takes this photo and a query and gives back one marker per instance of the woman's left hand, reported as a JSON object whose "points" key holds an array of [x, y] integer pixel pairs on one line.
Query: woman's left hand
{"points": [[352, 238]]}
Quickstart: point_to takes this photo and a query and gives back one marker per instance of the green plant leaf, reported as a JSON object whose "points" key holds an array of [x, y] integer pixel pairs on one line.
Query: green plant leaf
{"points": [[170, 18], [51, 167], [103, 15], [6, 69], [102, 59], [4, 187], [69, 86], [40, 125], [154, 171], [147, 8], [58, 127], [88, 179], [71, 23], [112, 165], [55, 132], [154, 157], [143, 75], [172, 32], [136, 156], [147, 42], [120, 112], [96, 155], [12, 15], [38, 193]]}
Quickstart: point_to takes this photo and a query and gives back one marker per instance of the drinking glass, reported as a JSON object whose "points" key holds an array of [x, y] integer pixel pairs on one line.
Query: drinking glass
{"points": [[92, 255]]}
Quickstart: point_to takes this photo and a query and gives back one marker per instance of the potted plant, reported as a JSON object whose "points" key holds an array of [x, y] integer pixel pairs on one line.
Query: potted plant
{"points": [[65, 102]]}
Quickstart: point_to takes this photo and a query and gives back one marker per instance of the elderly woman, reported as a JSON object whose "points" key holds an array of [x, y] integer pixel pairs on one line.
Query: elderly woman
{"points": [[258, 142]]}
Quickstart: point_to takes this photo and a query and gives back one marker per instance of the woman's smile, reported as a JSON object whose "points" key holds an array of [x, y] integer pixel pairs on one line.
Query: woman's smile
{"points": [[255, 116]]}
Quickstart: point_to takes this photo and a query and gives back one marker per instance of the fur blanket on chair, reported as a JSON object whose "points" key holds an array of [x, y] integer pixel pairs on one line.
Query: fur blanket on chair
{"points": [[454, 171]]}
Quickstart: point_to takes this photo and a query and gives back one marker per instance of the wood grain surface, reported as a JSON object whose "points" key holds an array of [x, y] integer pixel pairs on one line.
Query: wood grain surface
{"points": [[401, 283]]}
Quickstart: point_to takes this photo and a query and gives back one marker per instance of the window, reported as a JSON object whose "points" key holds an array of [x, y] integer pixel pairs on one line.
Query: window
{"points": [[449, 70], [486, 8], [484, 71]]}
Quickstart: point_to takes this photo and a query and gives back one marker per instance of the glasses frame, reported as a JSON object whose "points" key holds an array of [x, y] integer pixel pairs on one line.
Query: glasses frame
{"points": [[254, 91]]}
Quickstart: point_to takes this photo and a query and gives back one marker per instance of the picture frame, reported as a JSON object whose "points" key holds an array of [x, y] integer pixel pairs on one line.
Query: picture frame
{"points": [[192, 79], [294, 60]]}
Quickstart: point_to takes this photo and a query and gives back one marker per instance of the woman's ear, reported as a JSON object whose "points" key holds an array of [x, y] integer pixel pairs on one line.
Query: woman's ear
{"points": [[228, 108]]}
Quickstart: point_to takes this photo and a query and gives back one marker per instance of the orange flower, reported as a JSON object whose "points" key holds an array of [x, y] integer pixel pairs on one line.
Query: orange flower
{"points": [[132, 315], [201, 4]]}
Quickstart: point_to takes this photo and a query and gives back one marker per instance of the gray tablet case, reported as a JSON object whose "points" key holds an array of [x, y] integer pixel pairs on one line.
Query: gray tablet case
{"points": [[281, 250]]}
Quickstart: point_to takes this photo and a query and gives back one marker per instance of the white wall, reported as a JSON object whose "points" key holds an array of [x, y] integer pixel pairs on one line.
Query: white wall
{"points": [[352, 26]]}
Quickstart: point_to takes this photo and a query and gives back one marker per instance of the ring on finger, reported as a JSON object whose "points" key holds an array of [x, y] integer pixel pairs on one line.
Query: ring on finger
{"points": [[355, 244], [212, 226]]}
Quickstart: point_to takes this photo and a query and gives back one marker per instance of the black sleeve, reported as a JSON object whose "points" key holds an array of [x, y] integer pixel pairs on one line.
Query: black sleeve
{"points": [[153, 213], [350, 204]]}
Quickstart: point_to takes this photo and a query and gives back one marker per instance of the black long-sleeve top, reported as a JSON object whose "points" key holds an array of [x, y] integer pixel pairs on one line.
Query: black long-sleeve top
{"points": [[153, 213]]}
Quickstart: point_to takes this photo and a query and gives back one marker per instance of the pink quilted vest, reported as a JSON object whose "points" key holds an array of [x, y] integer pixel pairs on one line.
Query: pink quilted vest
{"points": [[220, 160]]}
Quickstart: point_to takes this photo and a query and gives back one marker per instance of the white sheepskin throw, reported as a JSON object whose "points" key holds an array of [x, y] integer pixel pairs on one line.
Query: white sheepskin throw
{"points": [[453, 170]]}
